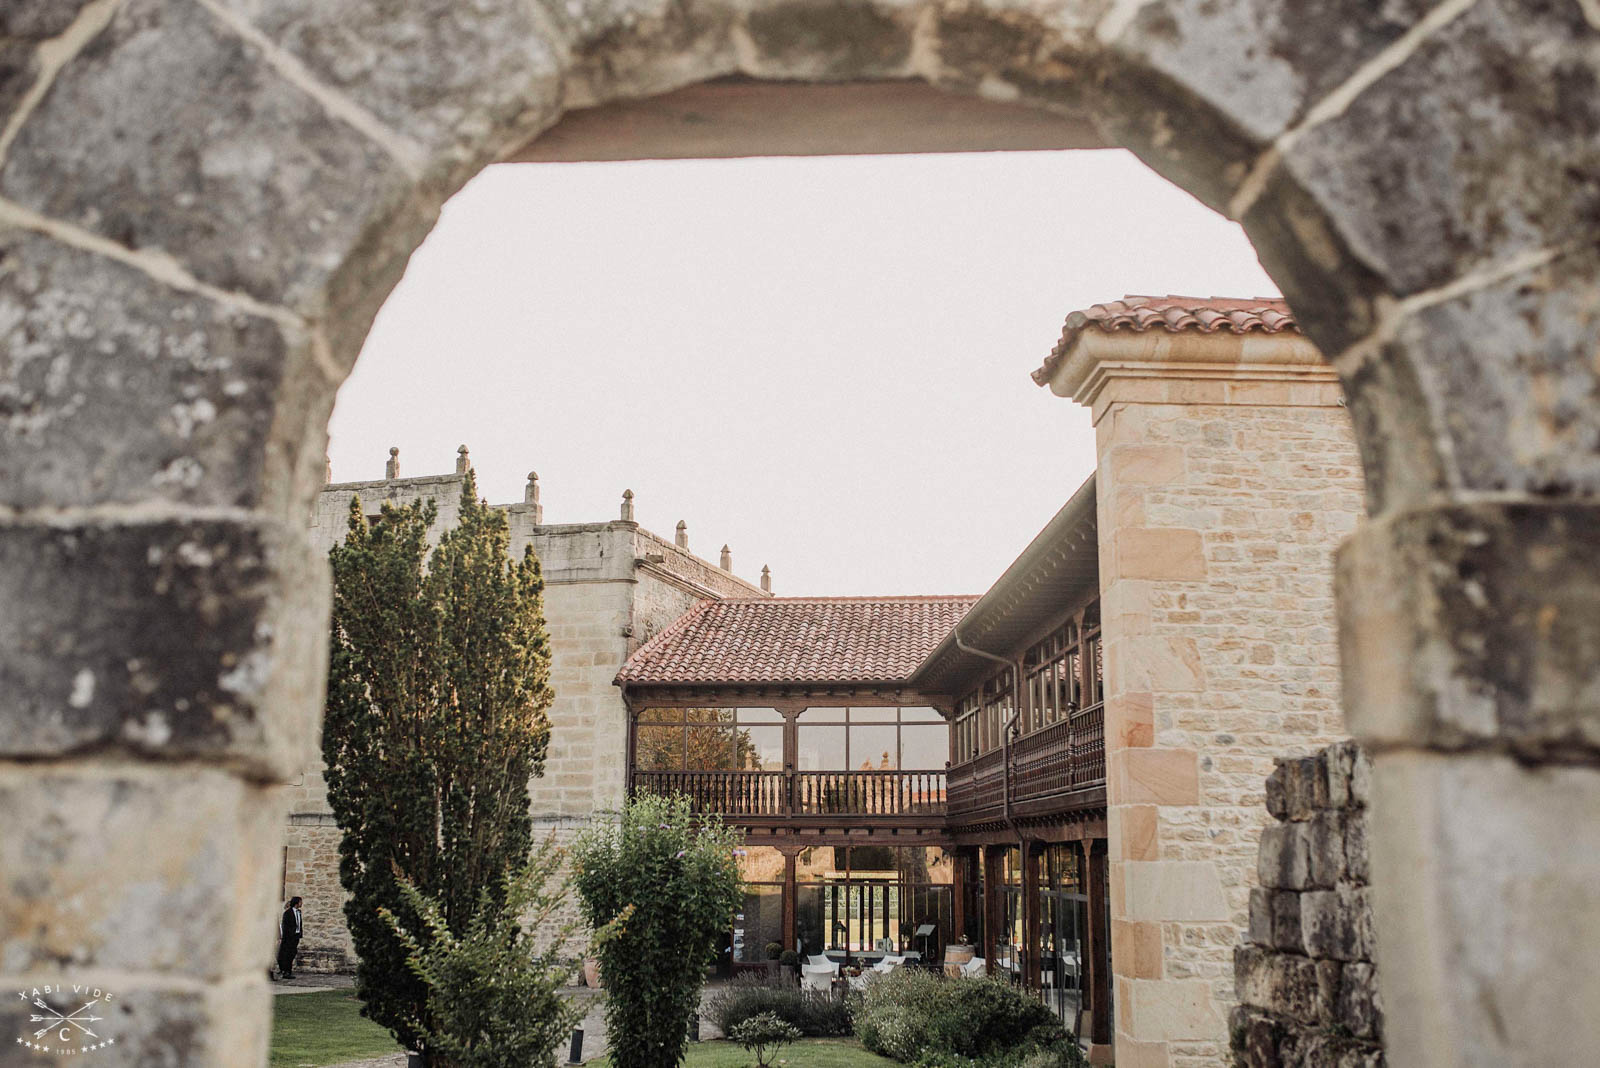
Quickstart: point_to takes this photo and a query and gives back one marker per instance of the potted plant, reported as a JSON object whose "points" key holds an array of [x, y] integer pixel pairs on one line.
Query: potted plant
{"points": [[591, 972], [789, 961], [774, 951]]}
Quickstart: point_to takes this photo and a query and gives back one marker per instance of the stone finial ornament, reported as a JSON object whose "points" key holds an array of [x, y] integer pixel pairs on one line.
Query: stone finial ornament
{"points": [[627, 506], [463, 461], [391, 470], [530, 495], [766, 578], [682, 539], [727, 558]]}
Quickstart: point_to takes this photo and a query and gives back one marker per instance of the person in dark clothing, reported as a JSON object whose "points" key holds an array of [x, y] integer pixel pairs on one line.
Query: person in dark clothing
{"points": [[290, 928]]}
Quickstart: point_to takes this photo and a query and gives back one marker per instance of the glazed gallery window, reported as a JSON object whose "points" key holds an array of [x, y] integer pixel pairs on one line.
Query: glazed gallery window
{"points": [[759, 920], [709, 739], [872, 899], [882, 738]]}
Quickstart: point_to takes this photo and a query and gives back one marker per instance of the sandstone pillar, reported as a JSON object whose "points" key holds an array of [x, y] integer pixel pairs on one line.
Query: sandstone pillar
{"points": [[1227, 473]]}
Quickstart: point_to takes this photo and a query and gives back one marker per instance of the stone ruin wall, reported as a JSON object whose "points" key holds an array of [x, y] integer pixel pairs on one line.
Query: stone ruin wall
{"points": [[1306, 977]]}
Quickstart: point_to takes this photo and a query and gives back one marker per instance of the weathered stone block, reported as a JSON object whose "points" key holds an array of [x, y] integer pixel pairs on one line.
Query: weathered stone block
{"points": [[1259, 931], [1357, 868], [1305, 787], [219, 1026], [169, 133], [1278, 792], [1285, 858], [1325, 846], [1286, 921], [1462, 156], [139, 870], [1330, 923], [482, 76], [1285, 984], [166, 639], [115, 388], [1359, 1006], [1473, 623]]}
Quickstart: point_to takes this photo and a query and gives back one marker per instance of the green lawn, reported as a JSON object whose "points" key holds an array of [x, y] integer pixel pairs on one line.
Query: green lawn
{"points": [[324, 1028], [807, 1053]]}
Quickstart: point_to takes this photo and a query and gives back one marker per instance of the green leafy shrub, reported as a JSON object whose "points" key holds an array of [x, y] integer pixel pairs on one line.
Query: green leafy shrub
{"points": [[921, 1018], [494, 999], [764, 1035], [677, 871], [817, 1014], [774, 950], [789, 959]]}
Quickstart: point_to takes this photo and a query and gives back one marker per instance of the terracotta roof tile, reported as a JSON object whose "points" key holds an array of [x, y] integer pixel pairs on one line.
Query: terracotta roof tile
{"points": [[781, 640], [1174, 314]]}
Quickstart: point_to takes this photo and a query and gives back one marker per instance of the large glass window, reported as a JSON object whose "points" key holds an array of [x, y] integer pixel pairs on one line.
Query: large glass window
{"points": [[872, 738], [759, 920], [874, 899], [709, 739]]}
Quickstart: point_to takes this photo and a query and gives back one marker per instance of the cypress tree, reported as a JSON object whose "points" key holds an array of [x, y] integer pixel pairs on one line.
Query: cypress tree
{"points": [[438, 693]]}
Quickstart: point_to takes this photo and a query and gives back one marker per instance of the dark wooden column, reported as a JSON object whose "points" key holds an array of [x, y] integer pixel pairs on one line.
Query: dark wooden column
{"points": [[791, 898], [1032, 856], [994, 901], [958, 892], [1099, 951]]}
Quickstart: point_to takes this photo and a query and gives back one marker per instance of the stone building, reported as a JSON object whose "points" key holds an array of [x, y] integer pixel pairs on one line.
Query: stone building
{"points": [[1116, 700], [609, 586]]}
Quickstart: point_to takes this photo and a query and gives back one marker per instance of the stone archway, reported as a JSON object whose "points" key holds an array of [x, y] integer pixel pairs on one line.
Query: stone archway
{"points": [[203, 202]]}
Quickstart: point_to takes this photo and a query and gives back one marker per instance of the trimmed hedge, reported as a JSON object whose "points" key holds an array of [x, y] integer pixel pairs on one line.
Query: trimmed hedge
{"points": [[921, 1018], [816, 1014]]}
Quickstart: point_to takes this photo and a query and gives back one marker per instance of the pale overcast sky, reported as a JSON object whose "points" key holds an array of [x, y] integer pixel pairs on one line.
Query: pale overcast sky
{"points": [[821, 362]]}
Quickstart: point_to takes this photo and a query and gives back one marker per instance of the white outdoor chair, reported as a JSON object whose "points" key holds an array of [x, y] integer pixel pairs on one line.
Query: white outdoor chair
{"points": [[888, 964], [818, 976], [822, 961], [974, 968]]}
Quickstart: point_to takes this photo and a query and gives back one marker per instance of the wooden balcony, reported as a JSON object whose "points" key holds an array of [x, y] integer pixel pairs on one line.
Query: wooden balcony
{"points": [[806, 795], [1058, 768]]}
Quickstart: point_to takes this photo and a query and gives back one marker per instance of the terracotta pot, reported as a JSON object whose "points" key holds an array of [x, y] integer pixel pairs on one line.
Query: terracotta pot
{"points": [[591, 972]]}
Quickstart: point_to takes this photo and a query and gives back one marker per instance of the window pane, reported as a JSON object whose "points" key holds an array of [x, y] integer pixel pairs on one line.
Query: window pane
{"points": [[710, 715], [924, 746], [821, 748], [759, 921], [659, 749], [759, 748], [661, 715], [920, 714], [822, 715], [875, 714], [873, 747], [710, 749], [759, 715]]}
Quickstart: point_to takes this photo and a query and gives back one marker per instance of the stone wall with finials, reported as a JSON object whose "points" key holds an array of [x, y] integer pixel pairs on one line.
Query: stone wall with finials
{"points": [[1307, 984]]}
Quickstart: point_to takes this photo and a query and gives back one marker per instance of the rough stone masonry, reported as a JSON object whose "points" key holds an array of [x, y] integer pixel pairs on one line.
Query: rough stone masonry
{"points": [[204, 202], [1306, 977]]}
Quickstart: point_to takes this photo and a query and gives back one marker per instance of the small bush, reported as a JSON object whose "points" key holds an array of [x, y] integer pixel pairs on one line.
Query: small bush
{"points": [[815, 1013], [764, 1034], [921, 1018], [789, 959], [774, 950]]}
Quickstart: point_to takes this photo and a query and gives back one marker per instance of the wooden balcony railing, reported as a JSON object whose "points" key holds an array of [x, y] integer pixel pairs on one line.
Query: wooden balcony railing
{"points": [[1057, 761], [802, 793]]}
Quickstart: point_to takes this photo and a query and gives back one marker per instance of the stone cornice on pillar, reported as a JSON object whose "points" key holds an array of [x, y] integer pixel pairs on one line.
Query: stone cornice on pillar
{"points": [[1101, 368]]}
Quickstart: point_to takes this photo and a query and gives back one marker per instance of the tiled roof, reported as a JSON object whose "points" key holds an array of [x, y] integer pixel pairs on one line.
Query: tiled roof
{"points": [[1174, 314], [782, 640]]}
